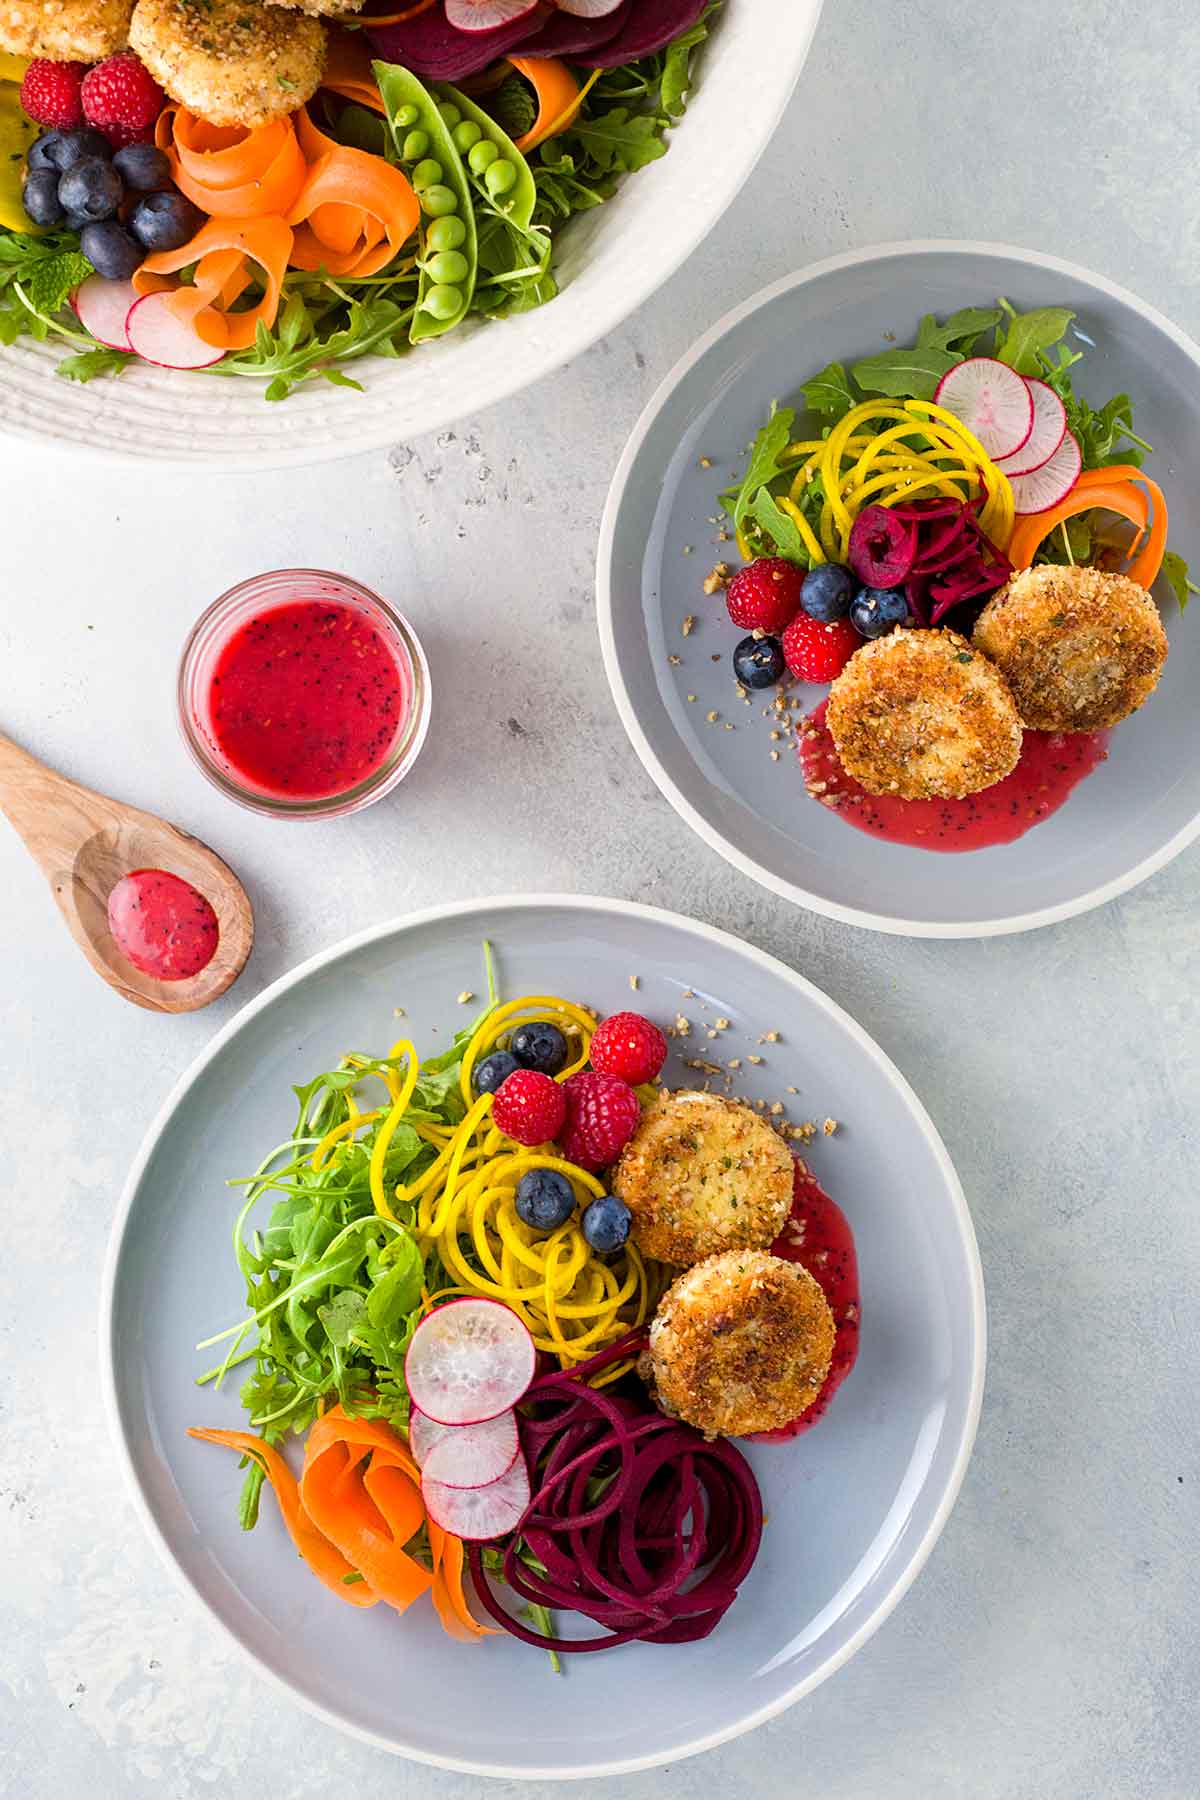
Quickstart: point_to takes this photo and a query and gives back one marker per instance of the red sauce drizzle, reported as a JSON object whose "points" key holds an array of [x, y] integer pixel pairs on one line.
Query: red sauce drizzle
{"points": [[1052, 765], [818, 1237], [162, 924], [306, 699]]}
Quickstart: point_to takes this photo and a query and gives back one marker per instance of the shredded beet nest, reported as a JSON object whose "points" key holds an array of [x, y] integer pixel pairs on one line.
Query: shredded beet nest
{"points": [[934, 549], [637, 1521]]}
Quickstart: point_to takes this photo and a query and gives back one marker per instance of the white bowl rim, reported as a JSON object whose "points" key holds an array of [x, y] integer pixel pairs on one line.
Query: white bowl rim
{"points": [[593, 324], [583, 904], [716, 840]]}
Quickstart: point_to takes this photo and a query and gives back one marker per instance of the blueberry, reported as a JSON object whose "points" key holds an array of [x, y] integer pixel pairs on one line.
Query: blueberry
{"points": [[606, 1223], [545, 1199], [92, 189], [73, 146], [40, 196], [110, 250], [488, 1074], [164, 221], [540, 1046], [758, 661], [827, 592], [76, 221], [142, 166], [43, 152], [876, 611]]}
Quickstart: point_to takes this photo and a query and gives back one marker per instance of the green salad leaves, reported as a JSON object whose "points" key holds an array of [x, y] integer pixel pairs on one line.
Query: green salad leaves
{"points": [[1033, 343]]}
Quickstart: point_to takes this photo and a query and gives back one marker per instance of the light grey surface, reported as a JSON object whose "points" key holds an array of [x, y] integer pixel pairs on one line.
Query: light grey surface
{"points": [[1050, 1649], [850, 1513], [706, 742]]}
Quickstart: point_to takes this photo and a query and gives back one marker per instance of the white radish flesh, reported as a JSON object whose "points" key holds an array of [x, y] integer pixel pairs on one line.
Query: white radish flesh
{"points": [[1045, 487], [479, 1513], [464, 1455], [468, 1361], [483, 15], [102, 308], [1049, 429], [159, 336], [589, 9], [992, 400]]}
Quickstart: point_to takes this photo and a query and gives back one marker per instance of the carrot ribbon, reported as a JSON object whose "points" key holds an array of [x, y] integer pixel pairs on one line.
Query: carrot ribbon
{"points": [[223, 251], [355, 1508], [1121, 488]]}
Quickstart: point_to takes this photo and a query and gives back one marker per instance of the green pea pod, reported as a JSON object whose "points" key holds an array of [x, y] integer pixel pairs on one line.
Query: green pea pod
{"points": [[438, 311], [518, 203]]}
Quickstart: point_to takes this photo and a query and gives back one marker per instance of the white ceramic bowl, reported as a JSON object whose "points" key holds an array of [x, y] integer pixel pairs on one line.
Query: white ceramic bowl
{"points": [[610, 260], [853, 1508]]}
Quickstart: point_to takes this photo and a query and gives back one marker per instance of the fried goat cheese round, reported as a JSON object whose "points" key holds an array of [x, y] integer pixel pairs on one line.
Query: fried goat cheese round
{"points": [[741, 1343], [1080, 648], [233, 62], [702, 1174], [921, 715], [64, 30]]}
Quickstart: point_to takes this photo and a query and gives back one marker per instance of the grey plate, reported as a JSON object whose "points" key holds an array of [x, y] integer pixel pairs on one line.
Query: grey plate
{"points": [[1128, 819], [854, 1507]]}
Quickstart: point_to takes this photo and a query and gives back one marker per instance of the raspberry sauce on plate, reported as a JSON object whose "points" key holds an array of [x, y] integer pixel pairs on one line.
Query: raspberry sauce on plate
{"points": [[1051, 766], [162, 924], [817, 1235], [306, 699]]}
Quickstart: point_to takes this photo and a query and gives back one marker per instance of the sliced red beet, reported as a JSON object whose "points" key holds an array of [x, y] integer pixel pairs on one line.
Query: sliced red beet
{"points": [[651, 26], [565, 35], [882, 547], [436, 50]]}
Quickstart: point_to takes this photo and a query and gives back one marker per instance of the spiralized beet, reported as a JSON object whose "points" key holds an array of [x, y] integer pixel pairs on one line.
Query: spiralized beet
{"points": [[639, 1522], [953, 561]]}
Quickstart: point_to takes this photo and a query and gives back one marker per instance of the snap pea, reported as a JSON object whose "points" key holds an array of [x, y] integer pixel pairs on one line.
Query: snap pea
{"points": [[489, 151], [426, 150]]}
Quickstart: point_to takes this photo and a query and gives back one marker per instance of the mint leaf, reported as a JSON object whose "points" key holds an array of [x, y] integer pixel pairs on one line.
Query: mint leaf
{"points": [[1031, 332], [1176, 571], [830, 393], [53, 279], [905, 374]]}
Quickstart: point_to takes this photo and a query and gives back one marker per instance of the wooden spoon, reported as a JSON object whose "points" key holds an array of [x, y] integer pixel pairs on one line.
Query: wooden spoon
{"points": [[84, 843]]}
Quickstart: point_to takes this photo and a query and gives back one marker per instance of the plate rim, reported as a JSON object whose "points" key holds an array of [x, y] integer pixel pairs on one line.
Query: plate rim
{"points": [[709, 834], [584, 904], [593, 325]]}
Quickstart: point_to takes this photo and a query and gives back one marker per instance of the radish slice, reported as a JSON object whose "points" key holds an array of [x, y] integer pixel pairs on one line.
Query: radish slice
{"points": [[158, 336], [1049, 429], [478, 1513], [102, 308], [1045, 487], [589, 9], [484, 15], [467, 1456], [469, 1361], [992, 400]]}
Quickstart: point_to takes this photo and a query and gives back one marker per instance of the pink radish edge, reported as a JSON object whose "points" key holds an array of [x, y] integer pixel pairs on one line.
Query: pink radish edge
{"points": [[589, 9], [495, 1391], [1049, 430], [482, 1513], [103, 308], [992, 400], [464, 1455], [158, 336], [1046, 485], [485, 15]]}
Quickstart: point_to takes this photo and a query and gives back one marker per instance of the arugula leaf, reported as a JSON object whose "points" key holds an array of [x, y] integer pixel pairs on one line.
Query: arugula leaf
{"points": [[1028, 334], [86, 365], [830, 393], [1176, 571], [961, 331], [906, 374], [677, 66], [621, 140], [781, 529], [763, 465]]}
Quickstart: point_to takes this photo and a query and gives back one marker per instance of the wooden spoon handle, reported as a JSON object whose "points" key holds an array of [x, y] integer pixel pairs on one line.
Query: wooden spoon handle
{"points": [[51, 813]]}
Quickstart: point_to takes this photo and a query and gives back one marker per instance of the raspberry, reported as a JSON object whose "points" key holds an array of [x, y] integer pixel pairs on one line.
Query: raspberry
{"points": [[121, 92], [529, 1108], [50, 93], [765, 596], [629, 1046], [602, 1115], [817, 652]]}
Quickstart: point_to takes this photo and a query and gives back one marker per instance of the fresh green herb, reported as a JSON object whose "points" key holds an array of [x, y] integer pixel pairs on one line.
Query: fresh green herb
{"points": [[910, 374], [1176, 572], [1028, 335]]}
